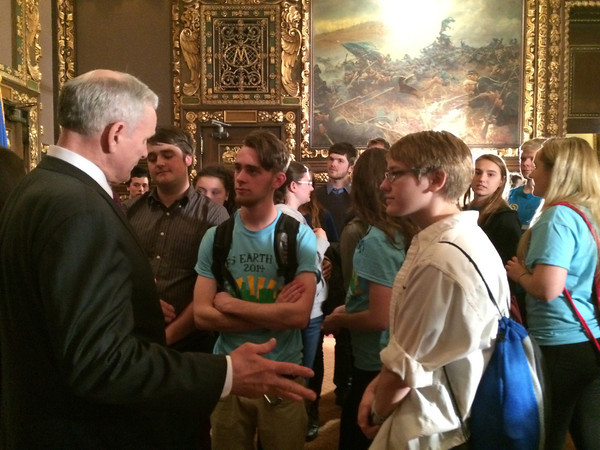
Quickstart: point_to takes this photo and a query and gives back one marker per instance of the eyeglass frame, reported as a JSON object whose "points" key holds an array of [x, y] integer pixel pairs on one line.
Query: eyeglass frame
{"points": [[392, 175], [309, 182]]}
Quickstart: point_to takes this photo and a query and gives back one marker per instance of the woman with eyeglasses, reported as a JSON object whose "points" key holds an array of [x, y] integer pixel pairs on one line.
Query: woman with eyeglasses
{"points": [[559, 252], [376, 261], [288, 198]]}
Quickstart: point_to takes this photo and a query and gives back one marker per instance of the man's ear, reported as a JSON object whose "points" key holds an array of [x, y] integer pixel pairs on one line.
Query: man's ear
{"points": [[189, 159], [437, 180], [112, 136], [278, 180]]}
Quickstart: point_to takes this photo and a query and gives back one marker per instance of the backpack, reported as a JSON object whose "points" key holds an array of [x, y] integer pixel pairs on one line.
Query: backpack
{"points": [[509, 409], [284, 242]]}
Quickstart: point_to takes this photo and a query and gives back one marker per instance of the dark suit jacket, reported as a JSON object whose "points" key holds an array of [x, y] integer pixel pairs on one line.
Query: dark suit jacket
{"points": [[84, 363]]}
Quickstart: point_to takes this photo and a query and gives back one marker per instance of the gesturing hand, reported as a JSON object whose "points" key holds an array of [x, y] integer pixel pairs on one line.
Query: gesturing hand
{"points": [[254, 375]]}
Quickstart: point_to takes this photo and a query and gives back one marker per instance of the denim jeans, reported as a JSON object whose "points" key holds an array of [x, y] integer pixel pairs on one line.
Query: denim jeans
{"points": [[310, 340]]}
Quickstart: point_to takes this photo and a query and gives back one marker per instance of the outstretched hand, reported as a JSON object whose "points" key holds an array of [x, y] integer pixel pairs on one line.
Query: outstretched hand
{"points": [[254, 375]]}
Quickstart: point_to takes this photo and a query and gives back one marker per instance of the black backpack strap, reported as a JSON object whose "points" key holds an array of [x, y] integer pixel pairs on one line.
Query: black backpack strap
{"points": [[489, 291], [285, 243], [221, 246]]}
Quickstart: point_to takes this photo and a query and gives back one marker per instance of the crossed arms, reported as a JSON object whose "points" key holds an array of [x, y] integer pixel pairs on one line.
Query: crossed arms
{"points": [[220, 311]]}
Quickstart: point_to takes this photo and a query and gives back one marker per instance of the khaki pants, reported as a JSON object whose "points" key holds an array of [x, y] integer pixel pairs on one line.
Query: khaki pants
{"points": [[280, 424]]}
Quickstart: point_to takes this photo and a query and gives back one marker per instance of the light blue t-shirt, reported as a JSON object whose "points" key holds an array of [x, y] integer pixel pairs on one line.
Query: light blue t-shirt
{"points": [[561, 238], [375, 260], [252, 263], [524, 204]]}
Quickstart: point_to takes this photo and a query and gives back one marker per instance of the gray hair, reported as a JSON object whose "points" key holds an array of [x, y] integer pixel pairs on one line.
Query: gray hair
{"points": [[90, 102]]}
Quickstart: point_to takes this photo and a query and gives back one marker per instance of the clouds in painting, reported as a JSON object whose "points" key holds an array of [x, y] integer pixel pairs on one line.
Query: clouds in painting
{"points": [[392, 67], [406, 26]]}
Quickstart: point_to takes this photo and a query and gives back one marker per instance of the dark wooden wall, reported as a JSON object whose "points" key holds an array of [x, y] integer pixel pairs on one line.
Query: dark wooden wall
{"points": [[132, 36]]}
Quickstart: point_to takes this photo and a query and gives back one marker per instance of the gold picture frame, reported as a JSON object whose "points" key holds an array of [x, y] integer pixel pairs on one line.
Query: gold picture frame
{"points": [[545, 63], [20, 78]]}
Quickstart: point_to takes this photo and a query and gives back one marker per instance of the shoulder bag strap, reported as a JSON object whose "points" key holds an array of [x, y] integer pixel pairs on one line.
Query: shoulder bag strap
{"points": [[585, 326], [489, 291], [463, 426]]}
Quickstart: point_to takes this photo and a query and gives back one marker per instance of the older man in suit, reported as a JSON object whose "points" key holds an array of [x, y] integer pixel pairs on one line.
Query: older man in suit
{"points": [[84, 361]]}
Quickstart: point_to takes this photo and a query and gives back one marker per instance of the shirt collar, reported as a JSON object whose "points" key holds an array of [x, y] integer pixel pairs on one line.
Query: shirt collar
{"points": [[83, 164], [330, 188], [183, 201]]}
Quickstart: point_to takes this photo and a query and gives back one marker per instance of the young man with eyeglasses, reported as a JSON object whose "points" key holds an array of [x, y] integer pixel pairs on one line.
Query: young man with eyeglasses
{"points": [[442, 324]]}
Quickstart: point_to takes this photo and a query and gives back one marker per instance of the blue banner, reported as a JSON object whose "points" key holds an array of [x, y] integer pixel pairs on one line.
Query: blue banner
{"points": [[3, 135]]}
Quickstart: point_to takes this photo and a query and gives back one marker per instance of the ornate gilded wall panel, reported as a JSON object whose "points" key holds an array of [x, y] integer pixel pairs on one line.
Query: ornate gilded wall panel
{"points": [[20, 78], [547, 65], [232, 52], [573, 54], [286, 119], [66, 41], [257, 52]]}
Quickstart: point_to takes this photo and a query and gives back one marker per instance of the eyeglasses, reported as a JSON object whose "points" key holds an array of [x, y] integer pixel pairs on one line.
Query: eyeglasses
{"points": [[310, 183], [393, 175]]}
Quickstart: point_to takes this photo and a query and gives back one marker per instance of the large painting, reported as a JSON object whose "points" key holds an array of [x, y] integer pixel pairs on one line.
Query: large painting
{"points": [[391, 67]]}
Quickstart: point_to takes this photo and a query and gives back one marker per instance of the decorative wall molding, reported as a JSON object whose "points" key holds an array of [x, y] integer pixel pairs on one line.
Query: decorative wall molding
{"points": [[65, 27], [20, 79], [193, 118], [213, 38]]}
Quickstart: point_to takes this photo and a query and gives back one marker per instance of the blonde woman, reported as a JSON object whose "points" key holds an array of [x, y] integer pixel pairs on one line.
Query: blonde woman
{"points": [[559, 252]]}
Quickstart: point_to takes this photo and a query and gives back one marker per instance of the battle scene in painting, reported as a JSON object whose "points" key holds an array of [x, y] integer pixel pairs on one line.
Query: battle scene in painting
{"points": [[374, 75]]}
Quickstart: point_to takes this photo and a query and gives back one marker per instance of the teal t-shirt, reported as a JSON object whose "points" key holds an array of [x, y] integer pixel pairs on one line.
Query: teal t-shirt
{"points": [[525, 204], [375, 260], [252, 263], [561, 238]]}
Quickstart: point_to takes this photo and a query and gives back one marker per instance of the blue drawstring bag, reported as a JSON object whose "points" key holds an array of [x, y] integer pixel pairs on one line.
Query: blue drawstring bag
{"points": [[508, 410]]}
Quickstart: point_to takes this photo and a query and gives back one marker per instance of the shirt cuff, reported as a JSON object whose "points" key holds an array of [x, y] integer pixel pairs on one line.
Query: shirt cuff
{"points": [[228, 378]]}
